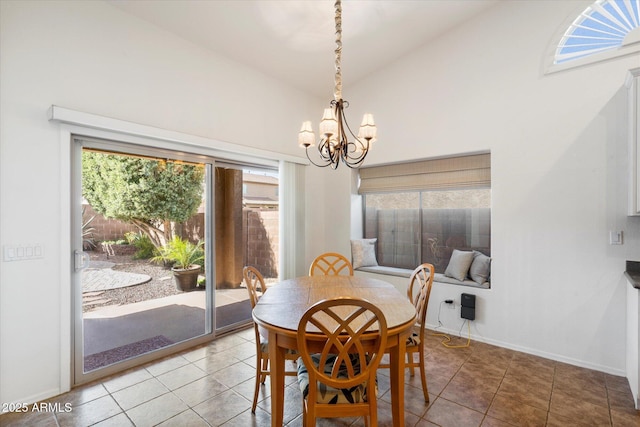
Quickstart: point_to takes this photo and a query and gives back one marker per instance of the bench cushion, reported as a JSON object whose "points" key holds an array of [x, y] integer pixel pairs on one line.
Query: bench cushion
{"points": [[437, 278]]}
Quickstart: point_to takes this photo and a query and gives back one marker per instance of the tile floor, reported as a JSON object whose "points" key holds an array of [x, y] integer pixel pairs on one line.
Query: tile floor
{"points": [[481, 385]]}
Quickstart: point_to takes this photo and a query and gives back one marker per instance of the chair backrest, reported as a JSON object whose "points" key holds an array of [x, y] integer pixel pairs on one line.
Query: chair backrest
{"points": [[419, 290], [330, 264], [254, 280], [352, 334]]}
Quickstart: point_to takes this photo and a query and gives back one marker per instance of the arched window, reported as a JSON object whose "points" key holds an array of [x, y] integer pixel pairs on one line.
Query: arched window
{"points": [[604, 30]]}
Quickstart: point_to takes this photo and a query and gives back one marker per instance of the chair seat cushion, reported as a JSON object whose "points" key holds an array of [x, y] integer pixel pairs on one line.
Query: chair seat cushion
{"points": [[413, 340], [327, 394]]}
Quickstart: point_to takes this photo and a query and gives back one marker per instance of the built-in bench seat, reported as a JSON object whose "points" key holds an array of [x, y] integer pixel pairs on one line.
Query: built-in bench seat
{"points": [[437, 278]]}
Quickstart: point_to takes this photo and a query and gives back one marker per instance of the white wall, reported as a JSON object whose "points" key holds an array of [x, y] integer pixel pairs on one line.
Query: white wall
{"points": [[559, 161], [556, 144], [90, 56]]}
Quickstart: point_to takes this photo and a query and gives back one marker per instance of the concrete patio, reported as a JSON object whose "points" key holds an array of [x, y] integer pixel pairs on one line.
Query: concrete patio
{"points": [[117, 331]]}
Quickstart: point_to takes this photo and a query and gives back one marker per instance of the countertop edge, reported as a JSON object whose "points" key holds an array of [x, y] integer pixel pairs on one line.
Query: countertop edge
{"points": [[632, 271], [634, 278]]}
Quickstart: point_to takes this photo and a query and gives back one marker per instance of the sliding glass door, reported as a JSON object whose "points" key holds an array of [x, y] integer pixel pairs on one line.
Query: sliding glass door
{"points": [[247, 233], [142, 219], [143, 254]]}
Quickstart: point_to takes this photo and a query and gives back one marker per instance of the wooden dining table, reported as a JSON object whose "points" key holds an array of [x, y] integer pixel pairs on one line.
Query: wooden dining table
{"points": [[280, 309]]}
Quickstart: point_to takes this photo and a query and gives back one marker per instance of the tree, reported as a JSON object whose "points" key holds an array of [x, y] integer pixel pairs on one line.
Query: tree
{"points": [[149, 193]]}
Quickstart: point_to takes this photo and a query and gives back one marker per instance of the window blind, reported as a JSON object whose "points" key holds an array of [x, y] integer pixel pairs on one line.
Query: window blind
{"points": [[292, 226], [468, 171]]}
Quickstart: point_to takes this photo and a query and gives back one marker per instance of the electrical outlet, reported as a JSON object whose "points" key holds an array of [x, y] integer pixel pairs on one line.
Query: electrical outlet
{"points": [[615, 237]]}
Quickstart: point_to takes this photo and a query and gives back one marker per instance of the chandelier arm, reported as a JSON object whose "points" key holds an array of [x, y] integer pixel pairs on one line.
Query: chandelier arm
{"points": [[353, 165], [334, 154], [326, 153], [331, 158], [323, 151], [354, 162], [365, 150], [314, 163], [351, 161], [346, 123]]}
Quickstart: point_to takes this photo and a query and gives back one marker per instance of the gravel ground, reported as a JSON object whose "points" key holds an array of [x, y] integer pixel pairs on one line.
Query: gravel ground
{"points": [[161, 284]]}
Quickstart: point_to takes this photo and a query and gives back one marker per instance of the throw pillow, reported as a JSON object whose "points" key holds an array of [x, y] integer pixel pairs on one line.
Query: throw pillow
{"points": [[459, 264], [480, 267], [363, 253]]}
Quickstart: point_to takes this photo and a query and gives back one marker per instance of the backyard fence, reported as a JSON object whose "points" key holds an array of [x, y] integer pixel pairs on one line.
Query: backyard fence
{"points": [[260, 235]]}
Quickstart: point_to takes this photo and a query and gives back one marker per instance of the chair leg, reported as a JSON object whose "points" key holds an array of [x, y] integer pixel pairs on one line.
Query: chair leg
{"points": [[304, 414], [309, 419], [265, 366], [412, 371], [423, 377], [373, 409], [257, 388]]}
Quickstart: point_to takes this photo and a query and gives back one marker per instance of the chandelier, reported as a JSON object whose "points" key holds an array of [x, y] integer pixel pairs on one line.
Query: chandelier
{"points": [[337, 141]]}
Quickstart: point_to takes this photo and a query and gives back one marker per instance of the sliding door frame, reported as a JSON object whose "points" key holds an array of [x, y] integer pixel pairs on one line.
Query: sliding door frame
{"points": [[80, 142], [72, 122]]}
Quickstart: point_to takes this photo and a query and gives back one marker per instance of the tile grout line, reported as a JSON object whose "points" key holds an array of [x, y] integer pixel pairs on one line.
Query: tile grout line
{"points": [[486, 413]]}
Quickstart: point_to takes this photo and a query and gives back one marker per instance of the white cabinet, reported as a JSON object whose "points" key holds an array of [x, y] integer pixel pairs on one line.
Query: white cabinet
{"points": [[633, 86], [633, 344]]}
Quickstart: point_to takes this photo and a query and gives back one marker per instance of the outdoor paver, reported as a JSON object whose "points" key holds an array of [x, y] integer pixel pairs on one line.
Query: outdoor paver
{"points": [[106, 278], [92, 294], [94, 301]]}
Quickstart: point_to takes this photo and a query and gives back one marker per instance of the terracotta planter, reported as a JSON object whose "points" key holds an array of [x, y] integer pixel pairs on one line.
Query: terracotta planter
{"points": [[186, 279]]}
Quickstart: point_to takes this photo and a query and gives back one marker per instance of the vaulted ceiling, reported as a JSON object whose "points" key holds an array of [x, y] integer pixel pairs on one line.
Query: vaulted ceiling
{"points": [[294, 41]]}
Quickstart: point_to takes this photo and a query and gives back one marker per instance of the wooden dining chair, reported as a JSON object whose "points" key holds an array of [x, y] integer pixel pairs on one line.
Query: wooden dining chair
{"points": [[418, 292], [254, 281], [340, 380], [330, 264]]}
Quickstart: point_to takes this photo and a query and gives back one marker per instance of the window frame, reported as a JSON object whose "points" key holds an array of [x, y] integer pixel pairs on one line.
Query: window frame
{"points": [[550, 65], [463, 172]]}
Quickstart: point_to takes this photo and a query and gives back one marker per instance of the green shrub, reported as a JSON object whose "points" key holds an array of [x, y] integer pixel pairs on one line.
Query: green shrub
{"points": [[181, 252], [115, 242], [145, 247], [202, 281]]}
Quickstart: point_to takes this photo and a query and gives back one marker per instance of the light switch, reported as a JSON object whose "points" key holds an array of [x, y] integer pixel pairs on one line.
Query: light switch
{"points": [[23, 252], [615, 237], [9, 253]]}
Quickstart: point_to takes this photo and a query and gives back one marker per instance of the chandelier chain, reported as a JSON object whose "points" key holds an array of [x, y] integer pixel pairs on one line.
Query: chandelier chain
{"points": [[335, 144], [337, 94]]}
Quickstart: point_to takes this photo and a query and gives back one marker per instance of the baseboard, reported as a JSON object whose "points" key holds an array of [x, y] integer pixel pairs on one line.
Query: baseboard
{"points": [[550, 356], [30, 400]]}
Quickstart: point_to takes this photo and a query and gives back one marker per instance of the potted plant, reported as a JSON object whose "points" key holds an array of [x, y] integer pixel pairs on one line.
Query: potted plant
{"points": [[184, 256]]}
